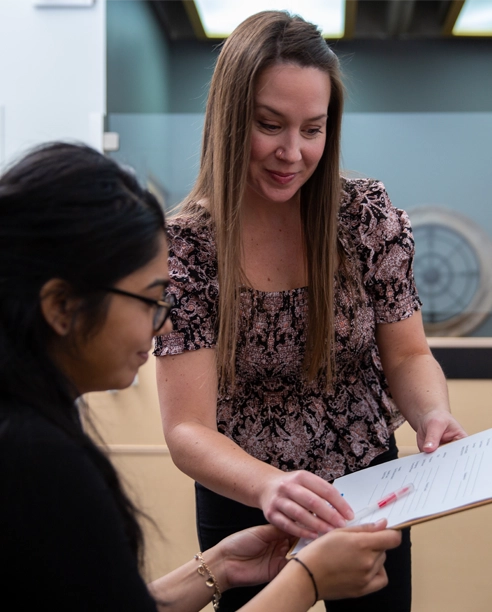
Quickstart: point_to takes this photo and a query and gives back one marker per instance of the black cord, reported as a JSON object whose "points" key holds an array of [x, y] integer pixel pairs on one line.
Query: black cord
{"points": [[310, 575]]}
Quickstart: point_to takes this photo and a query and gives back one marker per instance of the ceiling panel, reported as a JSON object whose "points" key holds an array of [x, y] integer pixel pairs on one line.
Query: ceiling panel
{"points": [[367, 19]]}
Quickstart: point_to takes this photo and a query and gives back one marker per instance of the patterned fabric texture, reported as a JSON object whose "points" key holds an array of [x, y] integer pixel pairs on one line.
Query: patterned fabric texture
{"points": [[273, 412]]}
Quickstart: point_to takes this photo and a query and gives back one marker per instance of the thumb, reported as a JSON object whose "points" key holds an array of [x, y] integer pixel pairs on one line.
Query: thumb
{"points": [[369, 527], [432, 438]]}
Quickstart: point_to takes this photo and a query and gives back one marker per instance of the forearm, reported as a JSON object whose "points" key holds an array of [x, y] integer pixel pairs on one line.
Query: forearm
{"points": [[187, 386], [417, 382], [418, 386], [184, 589], [218, 463], [291, 591]]}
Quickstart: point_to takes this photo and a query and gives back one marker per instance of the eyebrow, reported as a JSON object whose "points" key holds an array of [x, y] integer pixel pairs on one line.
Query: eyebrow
{"points": [[279, 114]]}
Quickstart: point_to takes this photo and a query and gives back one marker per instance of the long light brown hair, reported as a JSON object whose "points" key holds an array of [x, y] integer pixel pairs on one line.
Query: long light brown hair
{"points": [[262, 40]]}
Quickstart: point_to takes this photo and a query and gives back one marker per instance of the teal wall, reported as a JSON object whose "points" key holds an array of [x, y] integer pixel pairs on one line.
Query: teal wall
{"points": [[381, 76], [436, 76], [148, 74], [192, 66], [137, 59]]}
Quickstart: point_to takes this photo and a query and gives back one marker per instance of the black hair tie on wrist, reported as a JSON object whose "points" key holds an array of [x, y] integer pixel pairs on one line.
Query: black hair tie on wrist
{"points": [[310, 575]]}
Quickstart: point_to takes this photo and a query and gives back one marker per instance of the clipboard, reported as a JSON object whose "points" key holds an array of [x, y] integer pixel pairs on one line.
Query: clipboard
{"points": [[455, 477]]}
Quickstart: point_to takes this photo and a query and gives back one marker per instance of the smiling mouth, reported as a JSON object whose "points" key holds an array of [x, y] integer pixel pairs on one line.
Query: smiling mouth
{"points": [[282, 177]]}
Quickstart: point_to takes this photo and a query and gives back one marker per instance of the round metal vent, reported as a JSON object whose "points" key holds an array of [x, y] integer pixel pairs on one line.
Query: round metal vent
{"points": [[453, 271]]}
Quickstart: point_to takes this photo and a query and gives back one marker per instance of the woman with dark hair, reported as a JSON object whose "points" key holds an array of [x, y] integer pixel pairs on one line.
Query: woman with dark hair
{"points": [[83, 278], [298, 347]]}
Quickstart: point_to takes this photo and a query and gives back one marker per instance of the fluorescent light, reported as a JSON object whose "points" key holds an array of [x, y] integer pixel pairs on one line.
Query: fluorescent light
{"points": [[62, 3], [220, 17], [475, 19]]}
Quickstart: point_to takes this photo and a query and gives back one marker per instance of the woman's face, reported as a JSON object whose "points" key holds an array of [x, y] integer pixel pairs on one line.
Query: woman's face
{"points": [[289, 131], [111, 357]]}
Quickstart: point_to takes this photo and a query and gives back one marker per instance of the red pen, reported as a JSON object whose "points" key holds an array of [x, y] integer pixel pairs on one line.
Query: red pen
{"points": [[382, 503]]}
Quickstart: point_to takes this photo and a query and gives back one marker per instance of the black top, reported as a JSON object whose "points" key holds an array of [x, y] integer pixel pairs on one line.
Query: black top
{"points": [[62, 540]]}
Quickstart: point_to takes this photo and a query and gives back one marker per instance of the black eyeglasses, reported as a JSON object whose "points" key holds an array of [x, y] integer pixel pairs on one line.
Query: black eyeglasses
{"points": [[163, 307]]}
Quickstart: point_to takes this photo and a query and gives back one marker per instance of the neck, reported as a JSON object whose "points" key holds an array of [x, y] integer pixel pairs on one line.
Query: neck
{"points": [[258, 212]]}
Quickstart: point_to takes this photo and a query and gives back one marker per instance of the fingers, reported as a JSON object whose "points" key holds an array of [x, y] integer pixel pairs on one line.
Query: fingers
{"points": [[305, 505], [387, 539], [271, 533], [454, 434], [327, 501], [314, 513], [378, 581], [295, 529], [375, 536]]}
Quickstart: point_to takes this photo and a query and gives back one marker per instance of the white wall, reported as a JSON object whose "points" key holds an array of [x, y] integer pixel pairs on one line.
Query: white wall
{"points": [[52, 74]]}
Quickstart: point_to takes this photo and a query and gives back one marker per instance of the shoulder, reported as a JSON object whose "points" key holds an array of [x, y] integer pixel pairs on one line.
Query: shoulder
{"points": [[46, 476], [192, 248], [363, 196], [60, 528], [191, 229], [40, 453], [367, 214], [24, 430]]}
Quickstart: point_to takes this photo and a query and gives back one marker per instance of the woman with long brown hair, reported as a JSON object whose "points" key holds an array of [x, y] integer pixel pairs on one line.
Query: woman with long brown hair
{"points": [[298, 346]]}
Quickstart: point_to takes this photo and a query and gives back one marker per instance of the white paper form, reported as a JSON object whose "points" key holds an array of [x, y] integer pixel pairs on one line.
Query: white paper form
{"points": [[454, 476]]}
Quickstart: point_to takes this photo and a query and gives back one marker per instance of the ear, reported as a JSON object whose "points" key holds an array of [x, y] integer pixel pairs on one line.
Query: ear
{"points": [[58, 305]]}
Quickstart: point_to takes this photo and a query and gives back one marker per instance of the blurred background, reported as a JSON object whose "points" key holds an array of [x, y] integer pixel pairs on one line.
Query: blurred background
{"points": [[418, 112]]}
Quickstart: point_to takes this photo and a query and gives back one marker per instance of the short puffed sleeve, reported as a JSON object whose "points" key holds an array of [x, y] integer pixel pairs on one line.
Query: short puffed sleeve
{"points": [[385, 244], [193, 276]]}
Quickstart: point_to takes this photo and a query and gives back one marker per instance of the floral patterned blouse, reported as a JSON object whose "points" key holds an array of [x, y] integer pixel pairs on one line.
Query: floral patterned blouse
{"points": [[274, 413]]}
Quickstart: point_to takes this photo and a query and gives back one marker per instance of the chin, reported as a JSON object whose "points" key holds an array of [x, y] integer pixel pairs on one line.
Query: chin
{"points": [[129, 381], [120, 383]]}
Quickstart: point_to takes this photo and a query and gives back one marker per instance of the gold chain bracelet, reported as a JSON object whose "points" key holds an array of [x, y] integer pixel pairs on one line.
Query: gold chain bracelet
{"points": [[211, 581]]}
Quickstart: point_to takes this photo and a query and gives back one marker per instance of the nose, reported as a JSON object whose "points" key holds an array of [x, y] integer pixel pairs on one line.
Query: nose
{"points": [[289, 148]]}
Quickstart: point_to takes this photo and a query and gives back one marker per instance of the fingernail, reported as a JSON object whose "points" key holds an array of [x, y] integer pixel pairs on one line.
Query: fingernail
{"points": [[350, 515]]}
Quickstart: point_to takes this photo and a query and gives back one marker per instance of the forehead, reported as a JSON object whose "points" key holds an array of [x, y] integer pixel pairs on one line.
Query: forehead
{"points": [[154, 272], [288, 85]]}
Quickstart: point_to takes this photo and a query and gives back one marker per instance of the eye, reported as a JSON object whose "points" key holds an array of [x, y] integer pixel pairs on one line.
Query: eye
{"points": [[269, 127], [313, 131]]}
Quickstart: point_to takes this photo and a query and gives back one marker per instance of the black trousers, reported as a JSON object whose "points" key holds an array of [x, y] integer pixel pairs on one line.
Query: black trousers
{"points": [[218, 517]]}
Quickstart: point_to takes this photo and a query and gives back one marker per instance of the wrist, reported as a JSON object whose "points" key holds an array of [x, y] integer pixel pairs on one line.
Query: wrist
{"points": [[214, 563], [266, 483], [311, 576], [418, 418], [297, 575]]}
